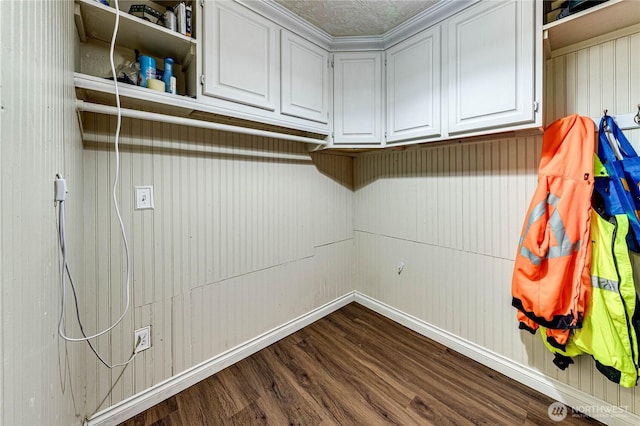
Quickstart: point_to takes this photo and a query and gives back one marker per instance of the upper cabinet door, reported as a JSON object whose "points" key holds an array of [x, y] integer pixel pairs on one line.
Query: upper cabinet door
{"points": [[413, 87], [491, 66], [357, 98], [305, 78], [240, 55]]}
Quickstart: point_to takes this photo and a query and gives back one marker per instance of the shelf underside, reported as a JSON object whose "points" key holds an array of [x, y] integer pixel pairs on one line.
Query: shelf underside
{"points": [[593, 22]]}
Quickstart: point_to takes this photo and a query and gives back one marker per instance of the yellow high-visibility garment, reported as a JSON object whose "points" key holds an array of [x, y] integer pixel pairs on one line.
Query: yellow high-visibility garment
{"points": [[609, 328]]}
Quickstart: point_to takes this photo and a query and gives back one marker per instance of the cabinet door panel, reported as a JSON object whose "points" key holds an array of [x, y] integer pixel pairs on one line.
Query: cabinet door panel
{"points": [[492, 66], [358, 98], [413, 87], [240, 55], [305, 78]]}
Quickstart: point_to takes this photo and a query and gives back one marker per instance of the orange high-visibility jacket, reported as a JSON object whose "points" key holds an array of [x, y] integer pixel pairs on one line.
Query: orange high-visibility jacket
{"points": [[551, 279]]}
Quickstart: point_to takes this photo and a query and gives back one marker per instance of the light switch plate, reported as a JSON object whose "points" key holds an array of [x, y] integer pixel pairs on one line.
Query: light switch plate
{"points": [[144, 197]]}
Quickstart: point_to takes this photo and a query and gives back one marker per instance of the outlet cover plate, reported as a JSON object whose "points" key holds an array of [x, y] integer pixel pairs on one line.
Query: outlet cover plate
{"points": [[144, 197], [144, 334]]}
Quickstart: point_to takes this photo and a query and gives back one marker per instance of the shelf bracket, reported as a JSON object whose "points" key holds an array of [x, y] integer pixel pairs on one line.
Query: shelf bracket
{"points": [[186, 61], [546, 44], [77, 15]]}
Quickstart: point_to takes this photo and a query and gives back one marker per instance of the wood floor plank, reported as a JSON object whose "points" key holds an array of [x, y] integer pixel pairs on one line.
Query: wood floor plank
{"points": [[355, 367], [235, 388], [375, 396], [322, 389], [444, 371], [343, 402], [250, 415], [279, 399], [429, 382], [196, 407], [385, 363]]}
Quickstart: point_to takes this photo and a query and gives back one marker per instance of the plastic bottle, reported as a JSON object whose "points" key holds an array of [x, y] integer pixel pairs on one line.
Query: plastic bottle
{"points": [[168, 73], [147, 69], [170, 19]]}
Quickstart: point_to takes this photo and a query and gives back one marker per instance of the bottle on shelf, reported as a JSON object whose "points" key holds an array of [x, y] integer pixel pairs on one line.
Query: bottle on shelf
{"points": [[170, 19], [147, 69], [168, 73]]}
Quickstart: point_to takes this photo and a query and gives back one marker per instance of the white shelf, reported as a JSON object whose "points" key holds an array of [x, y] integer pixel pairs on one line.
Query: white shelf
{"points": [[101, 91], [593, 22], [94, 20]]}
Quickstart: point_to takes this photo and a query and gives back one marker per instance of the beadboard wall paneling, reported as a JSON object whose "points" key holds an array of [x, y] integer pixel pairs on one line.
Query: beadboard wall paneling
{"points": [[42, 377], [247, 233], [595, 78], [391, 203], [453, 215], [468, 202], [459, 282]]}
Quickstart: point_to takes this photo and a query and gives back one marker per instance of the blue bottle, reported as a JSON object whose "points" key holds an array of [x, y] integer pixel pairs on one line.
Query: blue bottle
{"points": [[147, 69], [168, 72]]}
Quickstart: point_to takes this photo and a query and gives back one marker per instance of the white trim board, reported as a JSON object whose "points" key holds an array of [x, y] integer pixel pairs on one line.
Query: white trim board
{"points": [[611, 415], [146, 399]]}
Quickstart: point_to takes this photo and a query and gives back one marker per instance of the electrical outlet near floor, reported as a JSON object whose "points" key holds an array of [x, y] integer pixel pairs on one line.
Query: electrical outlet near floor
{"points": [[143, 335]]}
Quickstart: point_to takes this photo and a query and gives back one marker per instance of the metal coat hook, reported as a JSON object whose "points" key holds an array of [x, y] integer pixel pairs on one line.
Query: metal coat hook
{"points": [[625, 121]]}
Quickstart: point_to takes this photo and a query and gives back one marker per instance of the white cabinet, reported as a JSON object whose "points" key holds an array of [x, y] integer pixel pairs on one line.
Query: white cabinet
{"points": [[475, 72], [357, 98], [305, 78], [413, 87], [240, 55], [492, 66]]}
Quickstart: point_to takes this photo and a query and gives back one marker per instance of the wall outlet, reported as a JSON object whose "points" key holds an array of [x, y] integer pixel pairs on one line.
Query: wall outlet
{"points": [[144, 335], [144, 197]]}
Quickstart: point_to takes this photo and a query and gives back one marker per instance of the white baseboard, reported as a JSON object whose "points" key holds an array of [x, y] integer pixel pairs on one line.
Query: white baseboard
{"points": [[594, 407], [149, 397], [601, 410]]}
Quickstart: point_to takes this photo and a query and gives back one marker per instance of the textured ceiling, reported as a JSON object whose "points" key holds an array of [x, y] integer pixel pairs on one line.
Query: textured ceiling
{"points": [[356, 17]]}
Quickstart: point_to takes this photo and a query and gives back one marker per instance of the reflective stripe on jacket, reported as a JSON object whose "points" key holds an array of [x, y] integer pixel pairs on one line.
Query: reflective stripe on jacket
{"points": [[609, 330], [551, 283]]}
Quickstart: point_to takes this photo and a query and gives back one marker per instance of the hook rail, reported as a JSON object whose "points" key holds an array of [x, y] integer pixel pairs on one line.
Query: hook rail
{"points": [[625, 121]]}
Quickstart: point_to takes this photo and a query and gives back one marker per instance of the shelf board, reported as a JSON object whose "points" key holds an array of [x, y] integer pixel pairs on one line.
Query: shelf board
{"points": [[101, 91], [593, 22], [95, 20]]}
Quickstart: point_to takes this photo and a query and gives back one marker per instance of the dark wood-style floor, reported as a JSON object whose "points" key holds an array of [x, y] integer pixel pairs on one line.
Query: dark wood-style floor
{"points": [[355, 367]]}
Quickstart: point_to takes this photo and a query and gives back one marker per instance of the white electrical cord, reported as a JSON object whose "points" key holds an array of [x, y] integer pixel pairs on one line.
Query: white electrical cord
{"points": [[66, 271], [62, 237]]}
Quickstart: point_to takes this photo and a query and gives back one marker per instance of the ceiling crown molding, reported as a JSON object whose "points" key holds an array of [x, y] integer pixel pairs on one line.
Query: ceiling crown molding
{"points": [[359, 43], [289, 20], [423, 20]]}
